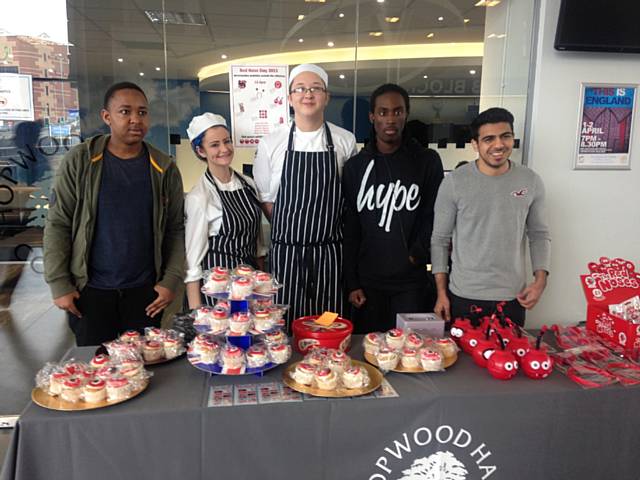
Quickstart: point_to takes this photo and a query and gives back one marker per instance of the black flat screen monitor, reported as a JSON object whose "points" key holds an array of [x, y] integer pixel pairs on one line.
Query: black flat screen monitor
{"points": [[599, 26]]}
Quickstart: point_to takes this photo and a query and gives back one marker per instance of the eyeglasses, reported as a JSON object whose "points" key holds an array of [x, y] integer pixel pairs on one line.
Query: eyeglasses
{"points": [[305, 90]]}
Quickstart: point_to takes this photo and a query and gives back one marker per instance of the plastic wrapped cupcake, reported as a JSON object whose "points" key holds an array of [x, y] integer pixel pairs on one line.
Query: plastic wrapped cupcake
{"points": [[154, 333], [131, 336], [216, 284], [414, 341], [263, 282], [317, 357], [257, 356], [395, 338], [56, 381], [99, 361], [241, 288], [133, 370], [203, 316], [275, 338], [240, 323], [262, 320], [338, 361], [326, 379], [231, 357], [447, 346], [431, 360], [372, 342], [206, 349], [95, 391], [71, 389], [409, 358], [118, 388], [280, 353], [218, 319], [354, 377], [303, 373], [387, 358], [244, 270], [152, 350]]}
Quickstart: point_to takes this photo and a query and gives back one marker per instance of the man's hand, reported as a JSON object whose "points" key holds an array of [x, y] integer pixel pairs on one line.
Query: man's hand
{"points": [[530, 295], [357, 298], [443, 307], [165, 297], [67, 303]]}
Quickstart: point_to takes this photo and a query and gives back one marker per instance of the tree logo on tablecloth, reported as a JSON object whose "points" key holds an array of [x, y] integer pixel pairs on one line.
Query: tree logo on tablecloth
{"points": [[439, 466], [441, 452]]}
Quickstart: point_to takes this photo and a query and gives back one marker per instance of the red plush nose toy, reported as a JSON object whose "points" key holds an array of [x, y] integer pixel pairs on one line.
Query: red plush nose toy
{"points": [[502, 365], [484, 349], [537, 363]]}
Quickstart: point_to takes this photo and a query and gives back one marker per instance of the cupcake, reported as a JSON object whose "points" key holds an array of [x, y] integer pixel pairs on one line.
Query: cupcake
{"points": [[275, 338], [280, 353], [316, 357], [203, 316], [106, 372], [87, 375], [261, 303], [262, 321], [216, 283], [414, 341], [207, 350], [153, 333], [130, 336], [395, 338], [224, 304], [232, 357], [118, 388], [372, 342], [447, 346], [387, 358], [244, 270], [71, 389], [263, 282], [222, 271], [172, 347], [326, 379], [353, 377], [56, 382], [431, 360], [338, 361], [95, 391], [241, 288], [152, 350], [409, 358], [99, 361], [219, 319], [303, 373], [74, 368], [240, 323], [257, 356], [133, 370]]}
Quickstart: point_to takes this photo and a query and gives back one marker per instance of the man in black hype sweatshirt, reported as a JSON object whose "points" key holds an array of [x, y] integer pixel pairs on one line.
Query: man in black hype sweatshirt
{"points": [[390, 188]]}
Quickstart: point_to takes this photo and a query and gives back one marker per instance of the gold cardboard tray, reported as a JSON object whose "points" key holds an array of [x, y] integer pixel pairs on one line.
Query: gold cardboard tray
{"points": [[375, 380], [43, 399], [448, 361]]}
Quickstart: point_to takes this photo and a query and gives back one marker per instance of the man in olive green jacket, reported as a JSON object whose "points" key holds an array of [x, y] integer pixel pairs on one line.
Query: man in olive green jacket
{"points": [[114, 235]]}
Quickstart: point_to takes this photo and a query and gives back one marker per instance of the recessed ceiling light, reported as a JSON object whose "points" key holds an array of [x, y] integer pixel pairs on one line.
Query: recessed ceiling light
{"points": [[502, 35], [472, 72], [223, 56], [375, 34], [425, 76], [391, 19], [330, 44], [120, 60], [466, 20], [430, 35], [300, 40], [341, 15], [487, 3], [342, 77], [380, 1], [157, 69], [50, 70], [315, 1], [300, 17], [491, 35], [440, 19], [141, 74]]}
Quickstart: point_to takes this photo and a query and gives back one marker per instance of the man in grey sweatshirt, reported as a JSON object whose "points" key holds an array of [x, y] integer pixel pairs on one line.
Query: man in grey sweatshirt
{"points": [[488, 208]]}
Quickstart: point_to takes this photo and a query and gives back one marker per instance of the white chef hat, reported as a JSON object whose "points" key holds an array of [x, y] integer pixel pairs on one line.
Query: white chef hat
{"points": [[309, 67], [201, 123]]}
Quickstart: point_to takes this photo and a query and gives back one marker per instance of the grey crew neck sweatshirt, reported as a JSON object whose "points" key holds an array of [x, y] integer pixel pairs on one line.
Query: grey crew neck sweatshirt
{"points": [[488, 219]]}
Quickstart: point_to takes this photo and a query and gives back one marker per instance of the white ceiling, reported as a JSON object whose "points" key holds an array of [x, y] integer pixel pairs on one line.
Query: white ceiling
{"points": [[104, 30]]}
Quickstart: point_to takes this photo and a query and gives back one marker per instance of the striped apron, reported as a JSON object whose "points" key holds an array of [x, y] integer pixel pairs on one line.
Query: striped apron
{"points": [[236, 241], [306, 232]]}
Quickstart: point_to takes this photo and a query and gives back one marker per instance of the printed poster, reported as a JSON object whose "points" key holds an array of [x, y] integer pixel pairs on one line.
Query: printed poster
{"points": [[16, 97], [259, 101], [606, 123]]}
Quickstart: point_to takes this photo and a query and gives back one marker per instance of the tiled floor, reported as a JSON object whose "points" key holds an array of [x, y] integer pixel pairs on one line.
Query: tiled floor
{"points": [[32, 332]]}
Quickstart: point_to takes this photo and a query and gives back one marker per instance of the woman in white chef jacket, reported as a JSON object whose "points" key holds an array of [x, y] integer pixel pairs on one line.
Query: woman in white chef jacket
{"points": [[223, 215]]}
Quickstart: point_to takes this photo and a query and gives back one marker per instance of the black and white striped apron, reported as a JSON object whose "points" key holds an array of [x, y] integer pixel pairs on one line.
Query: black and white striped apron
{"points": [[306, 231], [236, 241]]}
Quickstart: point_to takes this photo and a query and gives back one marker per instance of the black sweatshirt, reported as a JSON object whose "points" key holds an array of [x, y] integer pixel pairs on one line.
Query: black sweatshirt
{"points": [[388, 216]]}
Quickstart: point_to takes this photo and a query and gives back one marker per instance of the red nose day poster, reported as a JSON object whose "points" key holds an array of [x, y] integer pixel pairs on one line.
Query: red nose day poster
{"points": [[606, 125]]}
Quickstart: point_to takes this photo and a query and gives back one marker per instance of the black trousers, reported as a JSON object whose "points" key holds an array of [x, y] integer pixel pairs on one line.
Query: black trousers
{"points": [[108, 313], [461, 307], [378, 313]]}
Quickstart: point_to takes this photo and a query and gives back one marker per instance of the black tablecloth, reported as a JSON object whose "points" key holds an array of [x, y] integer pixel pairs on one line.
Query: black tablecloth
{"points": [[461, 423]]}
